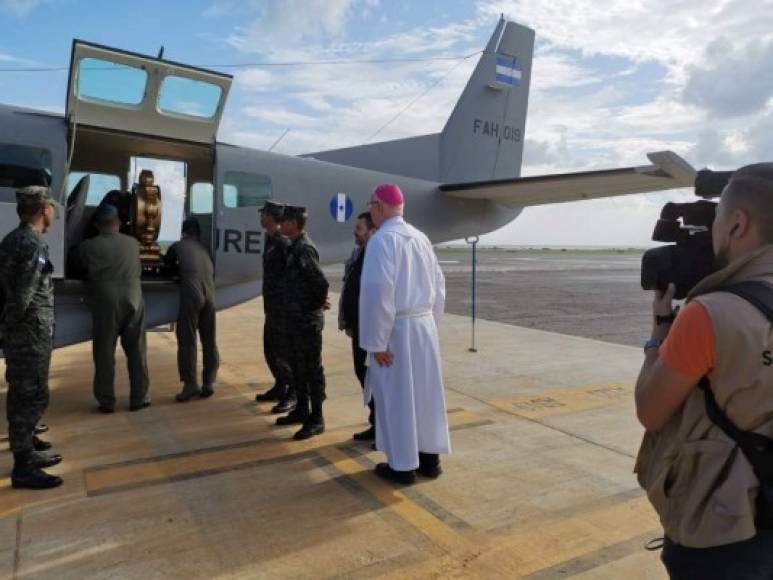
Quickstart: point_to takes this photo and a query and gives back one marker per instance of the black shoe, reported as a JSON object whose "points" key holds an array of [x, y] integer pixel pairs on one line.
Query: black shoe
{"points": [[106, 410], [42, 460], [207, 391], [40, 428], [138, 407], [39, 444], [367, 435], [189, 391], [309, 430], [285, 405], [429, 465], [385, 472], [294, 418], [33, 478], [275, 393]]}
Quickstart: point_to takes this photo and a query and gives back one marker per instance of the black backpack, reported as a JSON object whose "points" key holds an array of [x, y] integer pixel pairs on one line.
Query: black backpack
{"points": [[757, 448]]}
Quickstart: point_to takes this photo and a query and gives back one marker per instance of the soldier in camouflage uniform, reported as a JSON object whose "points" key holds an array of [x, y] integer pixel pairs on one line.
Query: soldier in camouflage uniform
{"points": [[274, 256], [28, 331], [304, 299]]}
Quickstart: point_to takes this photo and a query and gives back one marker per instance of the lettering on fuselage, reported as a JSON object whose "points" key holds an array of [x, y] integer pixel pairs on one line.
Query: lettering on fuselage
{"points": [[238, 242], [767, 358], [495, 130]]}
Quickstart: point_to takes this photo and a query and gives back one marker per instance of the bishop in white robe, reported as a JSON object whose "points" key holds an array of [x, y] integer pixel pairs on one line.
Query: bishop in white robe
{"points": [[402, 297]]}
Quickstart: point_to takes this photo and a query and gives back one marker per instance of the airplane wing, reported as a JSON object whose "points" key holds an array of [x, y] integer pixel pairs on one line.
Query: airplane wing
{"points": [[668, 171]]}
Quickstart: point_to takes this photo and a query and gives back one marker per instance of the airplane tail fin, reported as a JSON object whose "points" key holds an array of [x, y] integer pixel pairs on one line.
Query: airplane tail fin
{"points": [[483, 137]]}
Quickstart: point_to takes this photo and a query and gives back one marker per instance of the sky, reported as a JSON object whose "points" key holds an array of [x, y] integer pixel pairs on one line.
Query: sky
{"points": [[611, 80]]}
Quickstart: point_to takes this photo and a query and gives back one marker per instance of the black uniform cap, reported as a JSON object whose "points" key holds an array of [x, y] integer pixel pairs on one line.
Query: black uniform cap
{"points": [[275, 210], [294, 211]]}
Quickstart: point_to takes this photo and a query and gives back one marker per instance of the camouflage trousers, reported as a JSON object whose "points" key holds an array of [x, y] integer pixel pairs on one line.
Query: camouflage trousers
{"points": [[300, 357], [27, 376]]}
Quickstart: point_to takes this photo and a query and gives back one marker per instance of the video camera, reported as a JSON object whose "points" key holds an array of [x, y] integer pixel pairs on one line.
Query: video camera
{"points": [[687, 227]]}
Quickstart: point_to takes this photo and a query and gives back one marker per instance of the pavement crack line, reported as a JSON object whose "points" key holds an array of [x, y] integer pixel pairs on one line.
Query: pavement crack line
{"points": [[17, 549], [551, 427]]}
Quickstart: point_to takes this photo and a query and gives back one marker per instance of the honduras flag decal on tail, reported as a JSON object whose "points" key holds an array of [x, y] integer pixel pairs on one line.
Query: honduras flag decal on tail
{"points": [[341, 207], [508, 71]]}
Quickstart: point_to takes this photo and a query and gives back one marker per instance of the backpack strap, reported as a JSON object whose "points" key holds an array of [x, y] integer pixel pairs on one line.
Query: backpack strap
{"points": [[757, 448], [758, 294]]}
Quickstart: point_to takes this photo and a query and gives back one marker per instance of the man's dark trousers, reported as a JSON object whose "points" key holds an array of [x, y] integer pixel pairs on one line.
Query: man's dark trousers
{"points": [[748, 560], [359, 356]]}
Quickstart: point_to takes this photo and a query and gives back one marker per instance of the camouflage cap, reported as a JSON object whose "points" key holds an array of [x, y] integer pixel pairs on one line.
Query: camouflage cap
{"points": [[292, 212], [275, 210], [34, 195]]}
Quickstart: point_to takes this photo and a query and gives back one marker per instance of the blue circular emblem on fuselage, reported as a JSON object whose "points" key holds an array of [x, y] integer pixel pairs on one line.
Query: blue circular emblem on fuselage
{"points": [[341, 207]]}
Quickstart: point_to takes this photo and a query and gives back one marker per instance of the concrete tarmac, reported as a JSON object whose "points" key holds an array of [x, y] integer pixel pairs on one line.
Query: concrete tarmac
{"points": [[595, 294], [539, 484]]}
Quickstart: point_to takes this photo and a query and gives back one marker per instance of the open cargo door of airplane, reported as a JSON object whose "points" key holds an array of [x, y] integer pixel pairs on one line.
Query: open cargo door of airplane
{"points": [[124, 91]]}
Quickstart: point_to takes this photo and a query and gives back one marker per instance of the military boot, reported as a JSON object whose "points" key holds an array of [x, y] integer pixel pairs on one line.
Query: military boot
{"points": [[299, 414], [275, 393], [39, 444], [287, 404], [40, 428], [42, 460], [190, 390], [27, 476], [314, 425], [207, 390]]}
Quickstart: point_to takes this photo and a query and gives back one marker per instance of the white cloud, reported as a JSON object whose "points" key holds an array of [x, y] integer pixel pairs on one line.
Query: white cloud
{"points": [[554, 70], [733, 80], [673, 32], [20, 8], [608, 85], [254, 79], [285, 22]]}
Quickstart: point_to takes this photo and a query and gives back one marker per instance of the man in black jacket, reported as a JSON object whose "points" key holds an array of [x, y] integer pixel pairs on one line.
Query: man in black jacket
{"points": [[349, 311], [274, 262], [303, 301]]}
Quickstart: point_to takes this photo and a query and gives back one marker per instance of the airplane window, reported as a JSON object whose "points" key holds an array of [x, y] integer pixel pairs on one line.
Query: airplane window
{"points": [[182, 96], [21, 166], [111, 82], [202, 196], [99, 185], [245, 189]]}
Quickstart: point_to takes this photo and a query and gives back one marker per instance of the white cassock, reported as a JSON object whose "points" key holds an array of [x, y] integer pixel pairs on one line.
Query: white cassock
{"points": [[402, 296]]}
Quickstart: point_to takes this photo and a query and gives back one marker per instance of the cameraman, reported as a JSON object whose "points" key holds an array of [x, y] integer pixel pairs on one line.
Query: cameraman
{"points": [[698, 480]]}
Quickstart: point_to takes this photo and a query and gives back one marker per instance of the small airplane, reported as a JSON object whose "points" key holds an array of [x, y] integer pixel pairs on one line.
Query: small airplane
{"points": [[462, 182]]}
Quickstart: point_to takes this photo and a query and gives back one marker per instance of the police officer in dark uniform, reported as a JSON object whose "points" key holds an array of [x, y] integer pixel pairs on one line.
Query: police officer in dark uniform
{"points": [[111, 262], [28, 331], [192, 261], [304, 299], [274, 257]]}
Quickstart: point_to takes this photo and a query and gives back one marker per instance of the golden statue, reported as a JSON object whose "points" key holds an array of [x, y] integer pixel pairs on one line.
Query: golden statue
{"points": [[146, 216]]}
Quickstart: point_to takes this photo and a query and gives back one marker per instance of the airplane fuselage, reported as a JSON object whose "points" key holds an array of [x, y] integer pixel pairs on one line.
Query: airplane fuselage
{"points": [[235, 236]]}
